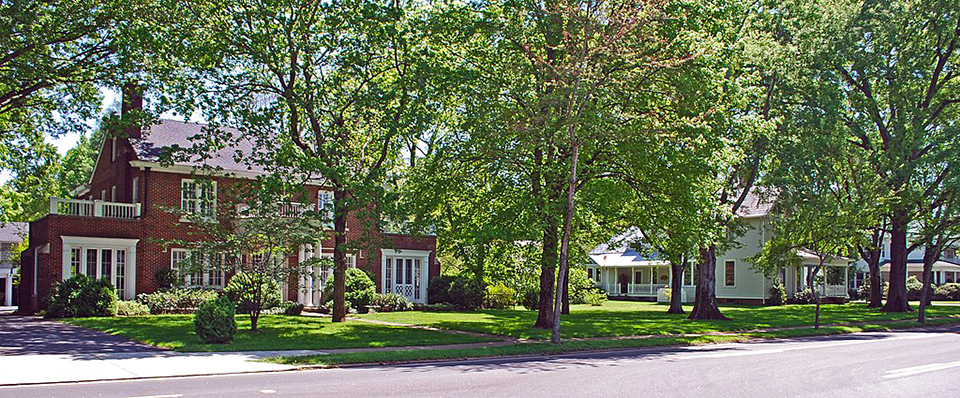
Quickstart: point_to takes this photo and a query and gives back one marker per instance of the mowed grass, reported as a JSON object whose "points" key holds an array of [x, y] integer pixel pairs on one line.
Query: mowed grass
{"points": [[539, 348], [625, 318], [276, 332]]}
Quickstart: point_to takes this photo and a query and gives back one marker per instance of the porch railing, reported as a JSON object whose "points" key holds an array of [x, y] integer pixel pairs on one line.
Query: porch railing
{"points": [[834, 291], [94, 208], [633, 289]]}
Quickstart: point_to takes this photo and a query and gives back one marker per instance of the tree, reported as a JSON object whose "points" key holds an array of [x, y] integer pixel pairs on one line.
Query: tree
{"points": [[939, 225], [53, 55], [253, 230], [329, 85], [896, 94]]}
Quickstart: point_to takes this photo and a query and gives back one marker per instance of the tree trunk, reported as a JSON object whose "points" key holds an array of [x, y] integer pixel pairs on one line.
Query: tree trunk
{"points": [[566, 292], [565, 240], [897, 291], [676, 287], [931, 254], [816, 292], [876, 286], [705, 302], [872, 257], [339, 259], [548, 270]]}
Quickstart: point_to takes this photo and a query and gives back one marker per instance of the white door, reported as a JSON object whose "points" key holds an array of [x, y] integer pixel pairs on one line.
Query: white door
{"points": [[404, 276]]}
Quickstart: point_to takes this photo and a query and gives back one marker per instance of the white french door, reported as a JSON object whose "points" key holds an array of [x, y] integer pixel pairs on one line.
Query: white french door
{"points": [[406, 274], [101, 263]]}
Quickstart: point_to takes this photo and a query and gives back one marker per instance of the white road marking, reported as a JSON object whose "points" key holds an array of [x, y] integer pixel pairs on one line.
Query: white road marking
{"points": [[933, 367], [268, 391], [161, 396]]}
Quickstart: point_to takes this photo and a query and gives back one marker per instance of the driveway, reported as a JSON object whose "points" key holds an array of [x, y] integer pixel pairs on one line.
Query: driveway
{"points": [[34, 350]]}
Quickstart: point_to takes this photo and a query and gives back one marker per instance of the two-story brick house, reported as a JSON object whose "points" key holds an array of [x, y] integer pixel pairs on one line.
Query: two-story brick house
{"points": [[121, 227]]}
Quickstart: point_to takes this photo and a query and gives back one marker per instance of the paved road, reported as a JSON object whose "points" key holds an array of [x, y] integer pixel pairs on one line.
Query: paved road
{"points": [[916, 363]]}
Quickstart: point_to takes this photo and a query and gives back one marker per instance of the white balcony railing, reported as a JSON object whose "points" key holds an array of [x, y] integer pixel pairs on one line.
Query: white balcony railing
{"points": [[94, 208], [292, 210]]}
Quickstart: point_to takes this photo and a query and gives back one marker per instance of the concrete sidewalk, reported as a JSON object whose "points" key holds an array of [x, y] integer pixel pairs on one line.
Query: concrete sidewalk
{"points": [[33, 350]]}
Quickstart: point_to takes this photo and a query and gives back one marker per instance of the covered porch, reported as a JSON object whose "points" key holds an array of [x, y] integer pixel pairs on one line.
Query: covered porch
{"points": [[641, 281], [831, 281]]}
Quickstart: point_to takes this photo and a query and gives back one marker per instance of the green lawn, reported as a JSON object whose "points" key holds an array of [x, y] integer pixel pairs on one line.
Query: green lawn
{"points": [[624, 318], [585, 345], [277, 332]]}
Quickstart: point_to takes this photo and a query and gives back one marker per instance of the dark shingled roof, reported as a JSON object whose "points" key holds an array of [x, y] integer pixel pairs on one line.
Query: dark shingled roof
{"points": [[170, 133], [755, 205], [13, 232]]}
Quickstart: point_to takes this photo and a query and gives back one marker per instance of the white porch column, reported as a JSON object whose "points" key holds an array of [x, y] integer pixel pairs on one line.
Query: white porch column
{"points": [[8, 289]]}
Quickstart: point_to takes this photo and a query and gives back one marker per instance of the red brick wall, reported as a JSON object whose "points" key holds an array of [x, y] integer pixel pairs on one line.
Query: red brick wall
{"points": [[160, 192]]}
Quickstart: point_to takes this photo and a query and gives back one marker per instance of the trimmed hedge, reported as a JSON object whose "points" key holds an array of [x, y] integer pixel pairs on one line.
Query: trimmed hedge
{"points": [[949, 291], [82, 296], [214, 321], [176, 301], [391, 302]]}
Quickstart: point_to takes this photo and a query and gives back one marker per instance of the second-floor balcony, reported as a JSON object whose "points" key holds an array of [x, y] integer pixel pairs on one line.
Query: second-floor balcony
{"points": [[94, 208]]}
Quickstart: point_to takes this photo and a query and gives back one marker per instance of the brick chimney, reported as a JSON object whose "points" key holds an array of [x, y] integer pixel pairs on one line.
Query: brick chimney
{"points": [[132, 105]]}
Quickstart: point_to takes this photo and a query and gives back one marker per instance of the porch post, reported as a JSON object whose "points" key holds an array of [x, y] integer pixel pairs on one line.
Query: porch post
{"points": [[8, 289], [846, 281]]}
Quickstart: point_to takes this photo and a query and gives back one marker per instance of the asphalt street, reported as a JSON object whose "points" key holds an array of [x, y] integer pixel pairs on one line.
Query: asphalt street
{"points": [[910, 363]]}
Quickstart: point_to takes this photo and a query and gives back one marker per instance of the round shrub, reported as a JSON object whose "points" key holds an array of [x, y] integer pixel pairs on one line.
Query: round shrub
{"points": [[595, 297], [531, 299], [81, 296], [391, 302], [949, 291], [214, 322], [914, 286], [499, 297], [456, 290], [243, 287], [359, 290], [778, 295], [580, 285], [291, 308], [176, 301], [132, 308], [804, 296]]}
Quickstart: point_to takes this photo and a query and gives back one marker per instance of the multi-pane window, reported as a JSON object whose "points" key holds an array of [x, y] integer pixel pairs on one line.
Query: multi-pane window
{"points": [[75, 262], [688, 275], [325, 205], [198, 197], [121, 265], [638, 277], [91, 269], [136, 190], [388, 277], [729, 269], [200, 272]]}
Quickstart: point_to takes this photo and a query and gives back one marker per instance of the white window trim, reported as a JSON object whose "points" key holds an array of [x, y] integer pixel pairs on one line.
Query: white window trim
{"points": [[130, 245], [423, 255], [113, 150], [135, 192], [206, 273], [199, 197], [113, 193], [725, 273]]}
